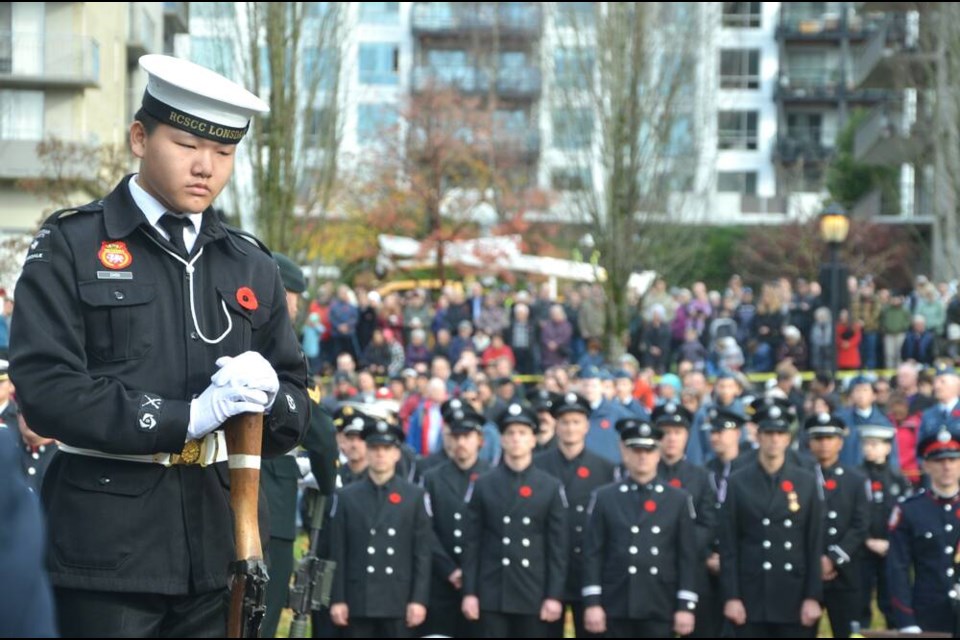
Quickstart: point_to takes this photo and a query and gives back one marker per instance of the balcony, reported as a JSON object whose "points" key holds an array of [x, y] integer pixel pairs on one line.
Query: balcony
{"points": [[806, 146], [450, 19], [517, 144], [519, 83], [51, 61], [143, 36], [468, 80], [892, 57], [19, 159], [888, 136], [826, 27], [877, 7], [176, 17], [809, 85]]}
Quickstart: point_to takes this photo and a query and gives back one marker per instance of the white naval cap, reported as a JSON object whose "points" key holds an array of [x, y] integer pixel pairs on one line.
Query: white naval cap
{"points": [[197, 100]]}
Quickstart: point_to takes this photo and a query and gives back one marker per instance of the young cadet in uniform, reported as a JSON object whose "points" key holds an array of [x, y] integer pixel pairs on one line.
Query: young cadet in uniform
{"points": [[515, 552], [448, 488], [725, 427], [847, 522], [924, 532], [142, 324], [771, 539], [673, 421], [640, 558], [381, 542], [887, 488], [279, 477], [581, 472]]}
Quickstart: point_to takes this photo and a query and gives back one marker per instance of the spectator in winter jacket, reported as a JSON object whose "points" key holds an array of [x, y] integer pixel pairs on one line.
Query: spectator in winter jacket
{"points": [[848, 343], [794, 348], [919, 343], [555, 335]]}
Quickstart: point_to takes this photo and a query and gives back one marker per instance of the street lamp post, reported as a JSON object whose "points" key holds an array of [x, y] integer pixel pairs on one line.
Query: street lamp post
{"points": [[834, 226]]}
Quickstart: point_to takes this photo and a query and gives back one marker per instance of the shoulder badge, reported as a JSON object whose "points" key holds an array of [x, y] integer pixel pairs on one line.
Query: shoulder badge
{"points": [[895, 516], [314, 393], [39, 250]]}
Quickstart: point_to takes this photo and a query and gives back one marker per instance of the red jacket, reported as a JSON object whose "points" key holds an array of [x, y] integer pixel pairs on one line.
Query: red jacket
{"points": [[848, 349]]}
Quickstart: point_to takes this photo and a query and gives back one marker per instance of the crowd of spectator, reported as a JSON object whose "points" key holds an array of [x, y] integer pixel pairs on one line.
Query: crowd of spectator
{"points": [[737, 329]]}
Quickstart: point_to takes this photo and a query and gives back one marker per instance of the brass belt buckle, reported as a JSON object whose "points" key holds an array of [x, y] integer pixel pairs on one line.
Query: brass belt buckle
{"points": [[190, 453]]}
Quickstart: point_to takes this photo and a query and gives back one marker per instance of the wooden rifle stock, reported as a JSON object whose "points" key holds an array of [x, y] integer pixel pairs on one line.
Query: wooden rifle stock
{"points": [[248, 579]]}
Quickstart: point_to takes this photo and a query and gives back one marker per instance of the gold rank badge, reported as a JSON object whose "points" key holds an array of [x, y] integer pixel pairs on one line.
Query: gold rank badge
{"points": [[792, 502]]}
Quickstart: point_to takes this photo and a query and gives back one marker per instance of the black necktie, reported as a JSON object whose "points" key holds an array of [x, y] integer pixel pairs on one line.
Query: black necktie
{"points": [[174, 226]]}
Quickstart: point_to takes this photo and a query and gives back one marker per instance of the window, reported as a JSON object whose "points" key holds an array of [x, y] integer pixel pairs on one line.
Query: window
{"points": [[573, 68], [212, 10], [577, 15], [743, 182], [805, 127], [571, 179], [319, 66], [740, 69], [572, 128], [373, 120], [216, 53], [318, 123], [741, 14], [379, 63], [680, 141], [21, 115], [510, 121], [737, 130], [379, 12]]}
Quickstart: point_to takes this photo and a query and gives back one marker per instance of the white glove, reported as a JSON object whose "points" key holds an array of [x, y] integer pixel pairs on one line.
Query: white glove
{"points": [[913, 629], [308, 482], [303, 463], [212, 408], [249, 369]]}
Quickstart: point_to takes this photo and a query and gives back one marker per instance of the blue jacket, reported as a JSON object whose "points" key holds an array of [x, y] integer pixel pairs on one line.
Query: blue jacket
{"points": [[602, 438], [935, 417], [852, 454]]}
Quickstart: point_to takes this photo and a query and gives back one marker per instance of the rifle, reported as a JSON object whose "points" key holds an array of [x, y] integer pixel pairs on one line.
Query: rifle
{"points": [[314, 577], [248, 573]]}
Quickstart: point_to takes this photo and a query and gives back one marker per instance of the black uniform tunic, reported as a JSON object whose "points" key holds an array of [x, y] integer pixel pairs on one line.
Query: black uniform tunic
{"points": [[107, 355]]}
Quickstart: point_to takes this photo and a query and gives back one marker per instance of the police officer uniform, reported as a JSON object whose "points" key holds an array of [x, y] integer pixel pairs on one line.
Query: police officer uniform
{"points": [[845, 492], [640, 558], [381, 542], [123, 327], [581, 476], [516, 547], [279, 479], [940, 415], [710, 620], [924, 538], [448, 488], [887, 488], [771, 540]]}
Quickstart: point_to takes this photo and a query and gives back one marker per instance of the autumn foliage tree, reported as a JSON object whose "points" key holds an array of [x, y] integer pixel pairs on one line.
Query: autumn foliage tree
{"points": [[884, 251], [444, 173]]}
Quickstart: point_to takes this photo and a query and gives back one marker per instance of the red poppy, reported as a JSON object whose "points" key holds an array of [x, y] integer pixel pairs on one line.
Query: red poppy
{"points": [[957, 513], [877, 485], [604, 424], [583, 472], [474, 476], [830, 484], [676, 483], [787, 486], [650, 506], [525, 491], [395, 498], [247, 299]]}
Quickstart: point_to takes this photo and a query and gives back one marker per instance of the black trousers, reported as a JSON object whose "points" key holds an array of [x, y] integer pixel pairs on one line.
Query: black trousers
{"points": [[105, 614], [627, 628], [771, 630], [444, 616], [377, 628], [710, 621], [280, 557], [577, 607], [843, 607], [512, 625], [874, 575]]}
